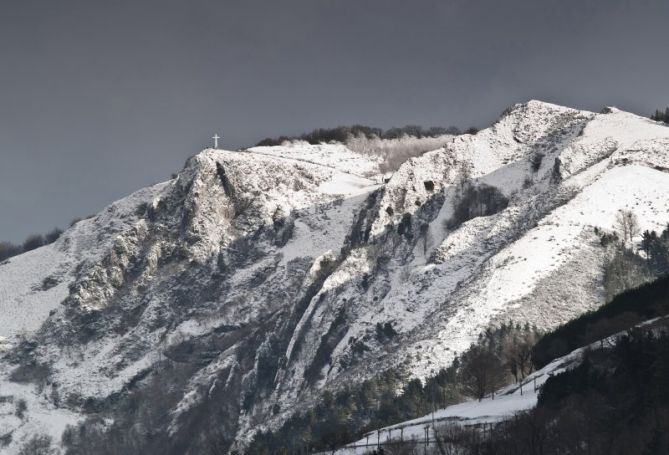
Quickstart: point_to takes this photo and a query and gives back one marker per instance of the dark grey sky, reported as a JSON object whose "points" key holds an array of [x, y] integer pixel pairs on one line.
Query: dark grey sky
{"points": [[100, 98]]}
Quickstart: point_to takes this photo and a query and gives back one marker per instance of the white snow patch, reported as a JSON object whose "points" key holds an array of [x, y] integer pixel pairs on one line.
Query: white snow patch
{"points": [[24, 304]]}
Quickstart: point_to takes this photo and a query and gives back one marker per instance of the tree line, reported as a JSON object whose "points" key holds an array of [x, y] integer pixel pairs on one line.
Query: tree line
{"points": [[661, 116], [32, 242], [9, 249], [344, 133], [616, 402]]}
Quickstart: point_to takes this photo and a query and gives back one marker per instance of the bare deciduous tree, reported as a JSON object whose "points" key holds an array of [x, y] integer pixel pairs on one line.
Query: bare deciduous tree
{"points": [[481, 372], [627, 224], [518, 354]]}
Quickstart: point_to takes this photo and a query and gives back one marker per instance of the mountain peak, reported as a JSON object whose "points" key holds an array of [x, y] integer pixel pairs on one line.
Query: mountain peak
{"points": [[536, 108]]}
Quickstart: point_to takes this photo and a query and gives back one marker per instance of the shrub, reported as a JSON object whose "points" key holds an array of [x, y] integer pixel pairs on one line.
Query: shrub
{"points": [[474, 201], [38, 445], [7, 250], [385, 331], [53, 235], [395, 145], [36, 373], [624, 270], [33, 242], [536, 160], [21, 408]]}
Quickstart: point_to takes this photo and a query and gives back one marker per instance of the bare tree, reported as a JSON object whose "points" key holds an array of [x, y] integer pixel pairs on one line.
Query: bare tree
{"points": [[627, 223], [464, 176], [620, 225], [401, 448], [453, 439], [518, 354], [481, 372], [632, 226]]}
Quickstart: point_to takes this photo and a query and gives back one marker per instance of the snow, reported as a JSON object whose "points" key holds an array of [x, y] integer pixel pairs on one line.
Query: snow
{"points": [[347, 184], [24, 304], [322, 230], [505, 403], [40, 416], [97, 373], [32, 287], [335, 156], [545, 248]]}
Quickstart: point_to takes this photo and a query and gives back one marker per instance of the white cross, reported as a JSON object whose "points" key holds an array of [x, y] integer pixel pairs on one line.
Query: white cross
{"points": [[216, 137]]}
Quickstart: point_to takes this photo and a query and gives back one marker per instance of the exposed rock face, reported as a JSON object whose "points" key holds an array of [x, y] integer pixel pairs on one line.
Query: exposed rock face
{"points": [[229, 297]]}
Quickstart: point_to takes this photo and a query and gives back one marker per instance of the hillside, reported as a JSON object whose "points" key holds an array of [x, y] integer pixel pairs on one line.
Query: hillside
{"points": [[631, 345], [193, 313], [557, 385]]}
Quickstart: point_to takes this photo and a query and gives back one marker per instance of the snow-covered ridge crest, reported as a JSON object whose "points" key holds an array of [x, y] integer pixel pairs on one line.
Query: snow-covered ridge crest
{"points": [[255, 279]]}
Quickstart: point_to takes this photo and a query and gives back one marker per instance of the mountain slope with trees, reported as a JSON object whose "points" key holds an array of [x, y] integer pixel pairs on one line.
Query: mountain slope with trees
{"points": [[604, 395], [194, 313]]}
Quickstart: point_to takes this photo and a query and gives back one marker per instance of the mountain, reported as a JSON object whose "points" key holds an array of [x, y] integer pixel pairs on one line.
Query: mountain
{"points": [[195, 312]]}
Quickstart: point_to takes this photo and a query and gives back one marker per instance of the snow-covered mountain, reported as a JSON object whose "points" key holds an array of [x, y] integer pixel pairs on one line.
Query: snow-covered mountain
{"points": [[229, 297]]}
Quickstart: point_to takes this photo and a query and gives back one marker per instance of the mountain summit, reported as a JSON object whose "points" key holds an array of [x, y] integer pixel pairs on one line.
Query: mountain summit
{"points": [[202, 309]]}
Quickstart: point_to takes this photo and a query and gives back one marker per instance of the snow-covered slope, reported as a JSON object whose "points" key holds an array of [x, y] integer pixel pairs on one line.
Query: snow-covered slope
{"points": [[493, 408], [505, 403], [255, 279], [336, 156]]}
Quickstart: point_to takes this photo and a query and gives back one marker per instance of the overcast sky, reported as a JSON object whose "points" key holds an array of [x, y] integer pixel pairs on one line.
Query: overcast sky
{"points": [[100, 98]]}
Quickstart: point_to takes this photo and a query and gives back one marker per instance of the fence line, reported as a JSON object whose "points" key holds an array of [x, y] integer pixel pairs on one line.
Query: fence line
{"points": [[402, 426], [428, 422]]}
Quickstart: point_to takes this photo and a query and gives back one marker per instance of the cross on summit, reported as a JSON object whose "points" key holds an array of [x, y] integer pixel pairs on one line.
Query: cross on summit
{"points": [[216, 137]]}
